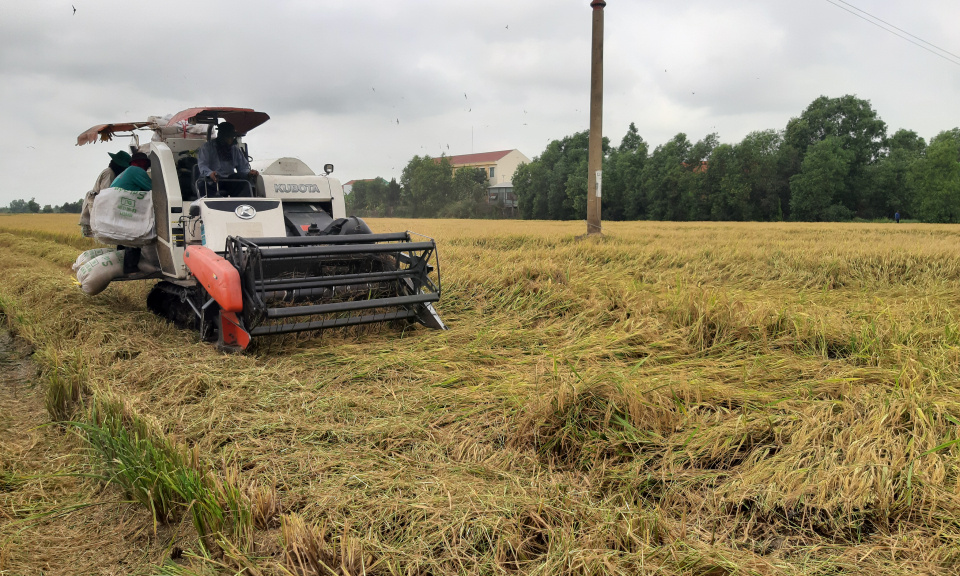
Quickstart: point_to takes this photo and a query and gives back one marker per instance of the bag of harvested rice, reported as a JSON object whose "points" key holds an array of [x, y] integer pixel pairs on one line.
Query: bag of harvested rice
{"points": [[90, 255], [95, 275], [123, 217]]}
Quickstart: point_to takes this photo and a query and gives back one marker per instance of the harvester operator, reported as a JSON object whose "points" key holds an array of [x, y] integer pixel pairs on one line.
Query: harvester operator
{"points": [[223, 165], [134, 179], [118, 163]]}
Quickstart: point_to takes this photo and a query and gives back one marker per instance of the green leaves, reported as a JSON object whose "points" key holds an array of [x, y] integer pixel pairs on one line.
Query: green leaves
{"points": [[817, 192], [936, 179]]}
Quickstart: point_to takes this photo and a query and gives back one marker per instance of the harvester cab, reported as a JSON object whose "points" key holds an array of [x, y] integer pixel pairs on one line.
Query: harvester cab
{"points": [[279, 254]]}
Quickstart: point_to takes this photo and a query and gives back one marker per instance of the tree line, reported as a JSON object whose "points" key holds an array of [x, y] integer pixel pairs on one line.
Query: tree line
{"points": [[428, 188], [834, 162], [32, 207]]}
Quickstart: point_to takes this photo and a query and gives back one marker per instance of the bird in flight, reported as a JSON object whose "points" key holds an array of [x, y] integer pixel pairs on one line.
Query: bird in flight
{"points": [[464, 95], [508, 26], [398, 121], [31, 147], [374, 89], [74, 9]]}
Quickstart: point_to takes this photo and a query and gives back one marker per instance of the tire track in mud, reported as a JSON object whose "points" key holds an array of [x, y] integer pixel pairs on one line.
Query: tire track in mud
{"points": [[53, 521]]}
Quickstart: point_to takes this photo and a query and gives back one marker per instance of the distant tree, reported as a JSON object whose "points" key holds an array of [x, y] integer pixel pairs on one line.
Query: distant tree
{"points": [[32, 205], [72, 207], [47, 209], [375, 197], [355, 200], [470, 184], [936, 179], [663, 180], [745, 179], [857, 128], [393, 196], [468, 194], [427, 185], [622, 197], [818, 190], [554, 185], [576, 186], [695, 192], [531, 183], [833, 162], [890, 187], [563, 158], [19, 206]]}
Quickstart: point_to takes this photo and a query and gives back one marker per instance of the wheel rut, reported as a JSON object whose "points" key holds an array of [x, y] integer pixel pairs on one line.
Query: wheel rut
{"points": [[53, 520]]}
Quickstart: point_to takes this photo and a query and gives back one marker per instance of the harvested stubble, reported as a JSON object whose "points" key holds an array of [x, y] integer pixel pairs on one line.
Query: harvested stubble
{"points": [[672, 398]]}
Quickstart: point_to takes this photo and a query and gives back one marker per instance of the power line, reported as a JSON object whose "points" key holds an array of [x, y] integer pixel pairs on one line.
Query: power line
{"points": [[895, 34], [900, 29]]}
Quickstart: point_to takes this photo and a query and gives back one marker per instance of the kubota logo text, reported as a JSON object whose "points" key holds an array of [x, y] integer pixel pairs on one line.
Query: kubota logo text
{"points": [[300, 188]]}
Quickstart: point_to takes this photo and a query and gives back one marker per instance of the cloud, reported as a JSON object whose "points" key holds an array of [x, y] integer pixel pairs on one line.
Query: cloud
{"points": [[335, 77]]}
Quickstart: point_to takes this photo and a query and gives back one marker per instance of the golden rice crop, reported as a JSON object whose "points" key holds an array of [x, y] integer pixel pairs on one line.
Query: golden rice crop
{"points": [[672, 398]]}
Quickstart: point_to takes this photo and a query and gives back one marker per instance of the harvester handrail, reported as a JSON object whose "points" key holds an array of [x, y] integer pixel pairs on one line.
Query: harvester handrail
{"points": [[339, 250], [315, 240]]}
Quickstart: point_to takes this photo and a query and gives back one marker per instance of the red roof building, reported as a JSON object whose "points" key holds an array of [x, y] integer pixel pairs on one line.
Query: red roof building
{"points": [[499, 165]]}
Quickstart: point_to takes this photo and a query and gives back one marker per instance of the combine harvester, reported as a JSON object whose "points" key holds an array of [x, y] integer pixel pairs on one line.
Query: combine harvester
{"points": [[282, 257]]}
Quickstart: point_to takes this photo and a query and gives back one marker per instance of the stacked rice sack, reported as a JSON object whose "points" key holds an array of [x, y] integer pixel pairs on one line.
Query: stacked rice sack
{"points": [[98, 267]]}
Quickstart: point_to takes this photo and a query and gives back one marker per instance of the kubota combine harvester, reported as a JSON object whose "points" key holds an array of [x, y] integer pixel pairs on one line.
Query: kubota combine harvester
{"points": [[280, 257]]}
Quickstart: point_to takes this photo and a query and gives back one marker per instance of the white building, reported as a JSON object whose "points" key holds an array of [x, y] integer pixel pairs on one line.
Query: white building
{"points": [[499, 166]]}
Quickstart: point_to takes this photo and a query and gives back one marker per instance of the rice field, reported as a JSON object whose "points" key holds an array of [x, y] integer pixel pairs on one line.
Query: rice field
{"points": [[674, 398]]}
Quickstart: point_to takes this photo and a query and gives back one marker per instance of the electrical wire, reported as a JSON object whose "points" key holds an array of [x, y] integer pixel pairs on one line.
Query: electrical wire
{"points": [[952, 61], [900, 29]]}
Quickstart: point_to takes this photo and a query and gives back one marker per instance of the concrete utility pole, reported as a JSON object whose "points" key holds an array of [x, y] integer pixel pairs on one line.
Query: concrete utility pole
{"points": [[595, 155]]}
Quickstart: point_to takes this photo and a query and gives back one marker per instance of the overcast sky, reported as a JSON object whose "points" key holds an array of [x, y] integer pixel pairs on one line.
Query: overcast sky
{"points": [[478, 75]]}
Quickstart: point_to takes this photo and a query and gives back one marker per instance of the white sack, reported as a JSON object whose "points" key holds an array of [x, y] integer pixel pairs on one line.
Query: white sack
{"points": [[123, 217], [90, 255], [95, 275]]}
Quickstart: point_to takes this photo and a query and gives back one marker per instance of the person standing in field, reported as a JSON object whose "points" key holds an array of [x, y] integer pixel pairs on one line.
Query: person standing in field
{"points": [[118, 163], [896, 217], [134, 179]]}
